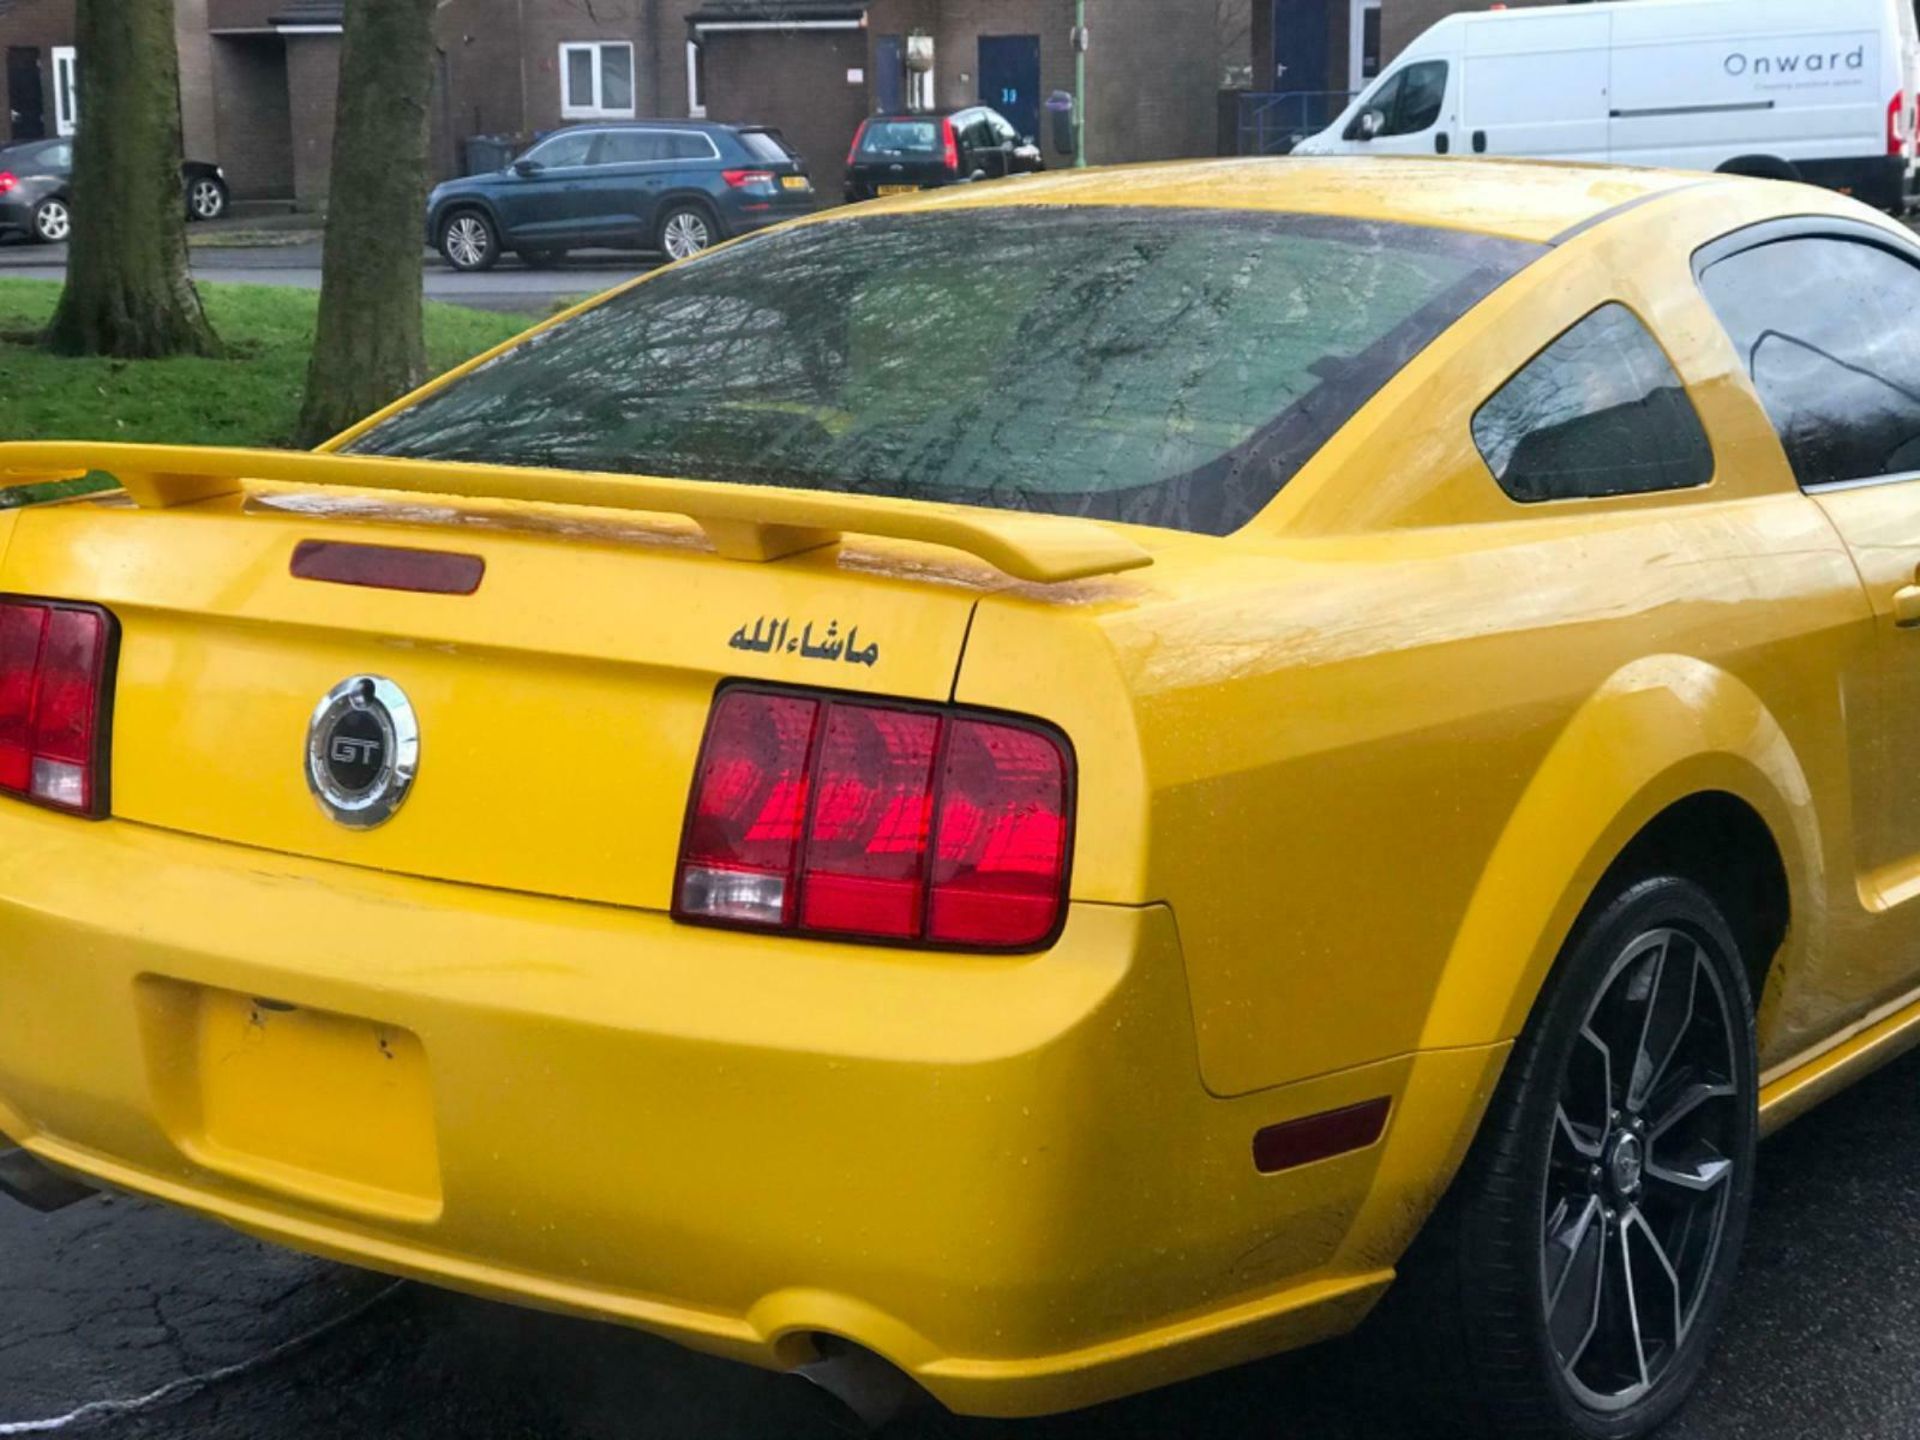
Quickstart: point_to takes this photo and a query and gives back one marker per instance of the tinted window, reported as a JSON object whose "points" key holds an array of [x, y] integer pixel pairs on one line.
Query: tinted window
{"points": [[1599, 412], [901, 137], [686, 145], [1409, 100], [978, 134], [562, 150], [1155, 365], [1002, 131], [630, 147], [764, 145], [57, 157], [1423, 88], [1830, 331]]}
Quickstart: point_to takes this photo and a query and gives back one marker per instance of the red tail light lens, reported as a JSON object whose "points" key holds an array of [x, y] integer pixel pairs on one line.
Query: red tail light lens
{"points": [[952, 143], [909, 824], [853, 150], [1897, 124], [54, 661], [748, 179], [7, 181]]}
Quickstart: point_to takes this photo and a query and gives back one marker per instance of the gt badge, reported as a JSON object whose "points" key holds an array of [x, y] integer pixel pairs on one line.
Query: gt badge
{"points": [[363, 749]]}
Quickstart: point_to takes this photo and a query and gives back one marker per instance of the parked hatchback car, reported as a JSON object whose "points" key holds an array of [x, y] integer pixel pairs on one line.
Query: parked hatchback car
{"points": [[895, 154], [36, 190], [677, 186]]}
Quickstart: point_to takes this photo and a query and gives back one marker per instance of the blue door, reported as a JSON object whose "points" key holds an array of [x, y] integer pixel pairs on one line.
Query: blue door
{"points": [[1010, 79], [889, 74]]}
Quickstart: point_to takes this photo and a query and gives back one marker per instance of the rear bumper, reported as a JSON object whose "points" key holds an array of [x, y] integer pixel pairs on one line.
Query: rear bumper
{"points": [[1003, 1176]]}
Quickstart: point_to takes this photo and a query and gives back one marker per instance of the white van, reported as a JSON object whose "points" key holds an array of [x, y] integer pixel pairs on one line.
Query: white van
{"points": [[1820, 90]]}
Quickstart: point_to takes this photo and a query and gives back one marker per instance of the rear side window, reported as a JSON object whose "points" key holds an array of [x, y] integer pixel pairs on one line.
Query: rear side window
{"points": [[1599, 412], [1829, 329], [1163, 366], [687, 145], [764, 146], [630, 147], [902, 137]]}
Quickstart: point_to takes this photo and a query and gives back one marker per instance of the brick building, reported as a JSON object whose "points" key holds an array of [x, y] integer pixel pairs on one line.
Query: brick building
{"points": [[258, 77]]}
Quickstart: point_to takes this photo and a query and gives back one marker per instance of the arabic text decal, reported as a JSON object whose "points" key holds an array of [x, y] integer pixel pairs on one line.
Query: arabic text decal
{"points": [[773, 637]]}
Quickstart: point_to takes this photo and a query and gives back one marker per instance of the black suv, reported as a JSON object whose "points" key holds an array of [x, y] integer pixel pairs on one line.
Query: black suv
{"points": [[672, 185], [895, 153]]}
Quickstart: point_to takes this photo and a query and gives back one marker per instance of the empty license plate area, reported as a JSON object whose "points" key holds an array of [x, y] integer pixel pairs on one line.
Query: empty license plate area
{"points": [[332, 1109]]}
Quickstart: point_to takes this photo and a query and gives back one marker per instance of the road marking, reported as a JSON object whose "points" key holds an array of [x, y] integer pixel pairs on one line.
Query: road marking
{"points": [[95, 1410]]}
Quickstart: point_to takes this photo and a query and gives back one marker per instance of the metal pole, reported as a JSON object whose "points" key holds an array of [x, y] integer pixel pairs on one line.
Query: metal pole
{"points": [[1080, 84]]}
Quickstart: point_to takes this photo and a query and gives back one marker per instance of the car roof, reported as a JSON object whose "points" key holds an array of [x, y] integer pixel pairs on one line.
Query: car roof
{"points": [[1518, 199]]}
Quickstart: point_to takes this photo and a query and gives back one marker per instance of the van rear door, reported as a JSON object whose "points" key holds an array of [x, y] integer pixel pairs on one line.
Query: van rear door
{"points": [[1536, 84]]}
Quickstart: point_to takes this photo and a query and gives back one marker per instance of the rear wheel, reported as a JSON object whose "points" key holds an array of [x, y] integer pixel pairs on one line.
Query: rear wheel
{"points": [[1575, 1275], [206, 199], [52, 221], [687, 229], [468, 241]]}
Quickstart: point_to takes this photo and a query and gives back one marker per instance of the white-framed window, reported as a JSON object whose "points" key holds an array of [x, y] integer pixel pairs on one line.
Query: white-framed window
{"points": [[1363, 43], [596, 80], [66, 90], [696, 90]]}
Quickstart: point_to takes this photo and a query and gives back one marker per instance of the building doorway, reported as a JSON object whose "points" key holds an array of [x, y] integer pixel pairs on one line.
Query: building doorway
{"points": [[1010, 79], [1363, 43], [26, 96]]}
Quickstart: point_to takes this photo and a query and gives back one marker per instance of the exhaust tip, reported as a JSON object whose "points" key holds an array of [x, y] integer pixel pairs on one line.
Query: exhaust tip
{"points": [[36, 1185], [873, 1391]]}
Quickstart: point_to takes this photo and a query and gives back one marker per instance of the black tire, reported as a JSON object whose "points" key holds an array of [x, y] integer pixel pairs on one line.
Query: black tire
{"points": [[685, 228], [53, 220], [207, 198], [1483, 1309], [467, 240], [541, 259], [1761, 167]]}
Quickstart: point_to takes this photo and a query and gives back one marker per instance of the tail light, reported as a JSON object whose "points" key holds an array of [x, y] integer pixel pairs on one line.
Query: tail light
{"points": [[853, 150], [824, 815], [952, 143], [54, 677], [1897, 124], [748, 179], [7, 181]]}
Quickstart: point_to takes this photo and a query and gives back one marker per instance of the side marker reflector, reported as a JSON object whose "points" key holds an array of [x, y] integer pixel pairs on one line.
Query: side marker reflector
{"points": [[1319, 1137]]}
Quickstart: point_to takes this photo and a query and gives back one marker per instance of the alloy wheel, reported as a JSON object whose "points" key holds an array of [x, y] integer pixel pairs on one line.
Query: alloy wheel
{"points": [[206, 200], [686, 233], [53, 221], [467, 241], [1639, 1177]]}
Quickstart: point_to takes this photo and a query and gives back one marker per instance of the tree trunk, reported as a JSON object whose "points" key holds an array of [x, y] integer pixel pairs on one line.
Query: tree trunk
{"points": [[128, 292], [369, 348]]}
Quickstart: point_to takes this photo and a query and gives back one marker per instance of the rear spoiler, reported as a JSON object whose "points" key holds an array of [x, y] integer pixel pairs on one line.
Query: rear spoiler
{"points": [[744, 522]]}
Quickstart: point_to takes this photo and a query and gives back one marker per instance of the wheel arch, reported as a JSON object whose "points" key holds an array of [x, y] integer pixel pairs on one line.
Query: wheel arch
{"points": [[467, 202], [696, 197], [1759, 167], [1674, 762]]}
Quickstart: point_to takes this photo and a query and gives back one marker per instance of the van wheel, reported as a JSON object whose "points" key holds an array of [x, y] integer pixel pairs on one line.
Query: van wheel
{"points": [[469, 241], [1571, 1282], [1761, 167]]}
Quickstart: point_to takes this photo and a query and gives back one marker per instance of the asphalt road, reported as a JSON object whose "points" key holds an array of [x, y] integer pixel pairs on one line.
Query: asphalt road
{"points": [[510, 286], [114, 1300]]}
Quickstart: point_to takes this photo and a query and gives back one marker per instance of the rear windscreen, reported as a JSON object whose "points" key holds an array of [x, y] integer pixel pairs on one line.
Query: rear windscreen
{"points": [[903, 137], [1166, 367]]}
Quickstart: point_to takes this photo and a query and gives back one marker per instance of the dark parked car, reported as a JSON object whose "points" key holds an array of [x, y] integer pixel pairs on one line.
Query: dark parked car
{"points": [[672, 185], [893, 154], [36, 189]]}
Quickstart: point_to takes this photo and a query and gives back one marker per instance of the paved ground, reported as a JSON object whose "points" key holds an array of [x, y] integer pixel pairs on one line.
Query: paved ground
{"points": [[510, 286], [115, 1300]]}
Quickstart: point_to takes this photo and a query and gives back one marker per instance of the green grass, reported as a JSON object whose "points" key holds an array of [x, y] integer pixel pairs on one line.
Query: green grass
{"points": [[251, 397]]}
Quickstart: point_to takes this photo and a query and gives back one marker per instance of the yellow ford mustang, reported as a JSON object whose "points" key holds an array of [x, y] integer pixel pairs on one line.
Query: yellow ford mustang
{"points": [[1020, 783]]}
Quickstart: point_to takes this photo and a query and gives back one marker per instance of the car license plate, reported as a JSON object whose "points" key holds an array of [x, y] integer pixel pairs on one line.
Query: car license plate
{"points": [[796, 182], [896, 189]]}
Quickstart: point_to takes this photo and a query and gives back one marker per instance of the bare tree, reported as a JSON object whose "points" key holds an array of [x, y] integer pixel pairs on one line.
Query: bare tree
{"points": [[128, 292], [369, 348]]}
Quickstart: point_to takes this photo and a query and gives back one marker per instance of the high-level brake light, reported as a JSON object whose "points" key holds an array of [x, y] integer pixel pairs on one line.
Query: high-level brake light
{"points": [[54, 678], [915, 825]]}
